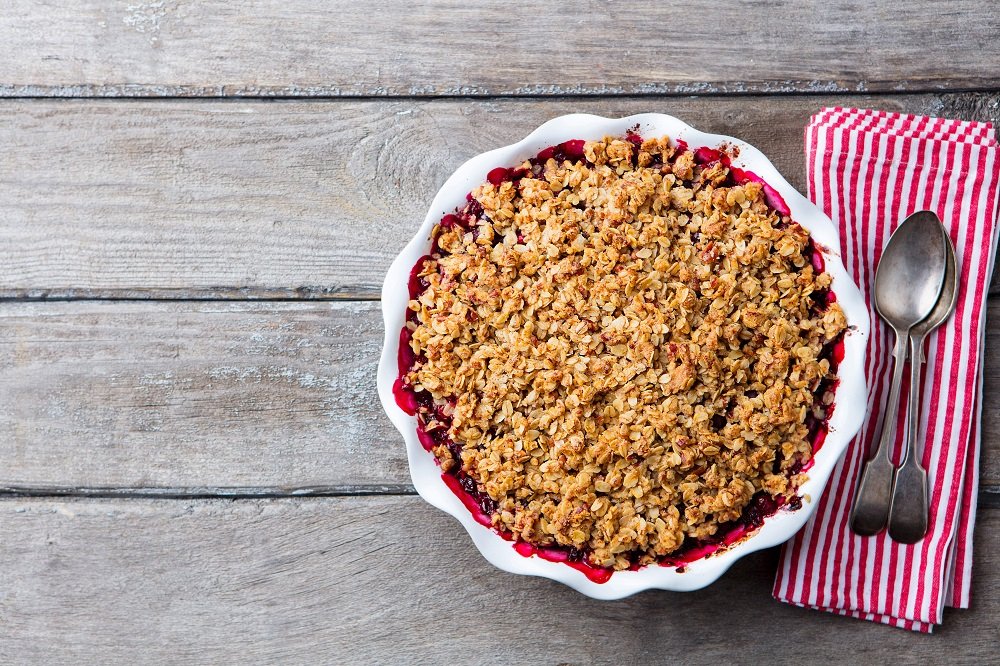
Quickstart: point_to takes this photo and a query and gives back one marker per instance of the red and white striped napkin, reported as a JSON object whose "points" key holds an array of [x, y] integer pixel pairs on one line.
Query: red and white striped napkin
{"points": [[868, 170]]}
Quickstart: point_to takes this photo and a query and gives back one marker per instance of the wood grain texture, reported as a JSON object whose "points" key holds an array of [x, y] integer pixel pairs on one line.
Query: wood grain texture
{"points": [[331, 48], [223, 398], [199, 199], [377, 580], [193, 395]]}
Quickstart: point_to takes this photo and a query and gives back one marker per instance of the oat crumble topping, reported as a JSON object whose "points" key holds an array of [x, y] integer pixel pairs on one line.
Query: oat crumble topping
{"points": [[623, 348]]}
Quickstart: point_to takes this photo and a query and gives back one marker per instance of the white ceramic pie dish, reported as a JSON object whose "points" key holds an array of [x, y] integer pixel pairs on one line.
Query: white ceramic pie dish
{"points": [[850, 395]]}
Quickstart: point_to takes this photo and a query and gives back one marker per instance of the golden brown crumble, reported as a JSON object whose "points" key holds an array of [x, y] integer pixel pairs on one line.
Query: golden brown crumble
{"points": [[627, 346]]}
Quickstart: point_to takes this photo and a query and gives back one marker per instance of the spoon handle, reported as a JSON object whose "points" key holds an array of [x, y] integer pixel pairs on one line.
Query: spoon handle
{"points": [[871, 504], [908, 512]]}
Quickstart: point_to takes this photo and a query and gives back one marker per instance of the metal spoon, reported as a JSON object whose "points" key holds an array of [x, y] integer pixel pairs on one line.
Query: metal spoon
{"points": [[908, 283], [908, 511]]}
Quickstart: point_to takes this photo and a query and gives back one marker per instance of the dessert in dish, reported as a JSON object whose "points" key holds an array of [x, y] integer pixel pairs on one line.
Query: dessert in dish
{"points": [[621, 352]]}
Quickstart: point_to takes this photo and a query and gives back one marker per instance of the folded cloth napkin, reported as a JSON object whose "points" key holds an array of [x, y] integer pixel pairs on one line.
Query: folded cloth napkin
{"points": [[868, 170]]}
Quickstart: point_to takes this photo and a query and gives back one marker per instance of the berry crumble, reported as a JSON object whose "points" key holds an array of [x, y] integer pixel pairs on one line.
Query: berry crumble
{"points": [[621, 352]]}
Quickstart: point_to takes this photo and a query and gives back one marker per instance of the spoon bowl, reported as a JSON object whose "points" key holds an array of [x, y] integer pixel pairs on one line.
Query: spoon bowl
{"points": [[911, 272], [945, 305]]}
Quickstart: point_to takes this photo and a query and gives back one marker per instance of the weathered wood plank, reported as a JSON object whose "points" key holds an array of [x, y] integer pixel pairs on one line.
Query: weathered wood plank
{"points": [[288, 200], [193, 395], [232, 398], [366, 580], [321, 48]]}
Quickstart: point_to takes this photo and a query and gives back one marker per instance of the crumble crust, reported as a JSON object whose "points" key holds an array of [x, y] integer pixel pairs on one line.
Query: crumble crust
{"points": [[624, 349]]}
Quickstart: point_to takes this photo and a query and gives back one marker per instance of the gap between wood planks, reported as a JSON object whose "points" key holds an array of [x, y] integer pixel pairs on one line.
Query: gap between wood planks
{"points": [[163, 296], [125, 92], [250, 493], [989, 496], [40, 95]]}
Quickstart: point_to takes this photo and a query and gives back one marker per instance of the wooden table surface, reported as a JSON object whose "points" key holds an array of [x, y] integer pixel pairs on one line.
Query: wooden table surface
{"points": [[200, 200]]}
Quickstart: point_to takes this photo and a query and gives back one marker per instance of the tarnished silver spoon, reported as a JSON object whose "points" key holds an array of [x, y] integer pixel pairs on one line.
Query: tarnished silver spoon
{"points": [[908, 283], [908, 511]]}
